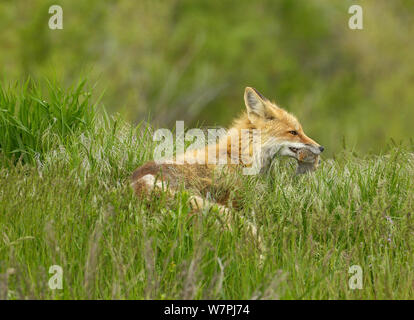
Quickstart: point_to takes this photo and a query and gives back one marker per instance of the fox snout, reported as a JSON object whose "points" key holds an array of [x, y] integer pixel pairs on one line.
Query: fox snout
{"points": [[309, 143], [318, 149], [312, 145]]}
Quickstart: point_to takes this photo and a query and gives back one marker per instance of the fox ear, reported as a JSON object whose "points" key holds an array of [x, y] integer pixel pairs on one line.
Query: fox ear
{"points": [[255, 104]]}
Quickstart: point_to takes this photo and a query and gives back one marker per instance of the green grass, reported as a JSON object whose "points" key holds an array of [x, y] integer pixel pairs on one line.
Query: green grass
{"points": [[67, 201], [33, 122]]}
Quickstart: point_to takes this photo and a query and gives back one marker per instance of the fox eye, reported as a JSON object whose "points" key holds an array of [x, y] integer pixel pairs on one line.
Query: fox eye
{"points": [[295, 133]]}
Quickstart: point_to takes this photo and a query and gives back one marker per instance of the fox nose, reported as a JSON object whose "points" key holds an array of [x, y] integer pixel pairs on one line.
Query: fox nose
{"points": [[321, 149]]}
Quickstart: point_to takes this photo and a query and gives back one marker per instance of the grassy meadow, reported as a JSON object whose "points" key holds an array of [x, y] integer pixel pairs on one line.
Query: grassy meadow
{"points": [[65, 200]]}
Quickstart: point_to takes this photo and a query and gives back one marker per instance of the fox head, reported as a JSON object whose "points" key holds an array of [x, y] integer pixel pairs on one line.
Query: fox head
{"points": [[281, 132]]}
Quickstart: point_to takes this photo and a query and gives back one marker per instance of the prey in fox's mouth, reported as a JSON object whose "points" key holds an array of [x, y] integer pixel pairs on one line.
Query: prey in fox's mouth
{"points": [[307, 161]]}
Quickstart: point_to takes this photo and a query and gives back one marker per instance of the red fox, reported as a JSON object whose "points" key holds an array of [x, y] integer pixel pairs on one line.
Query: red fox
{"points": [[280, 134]]}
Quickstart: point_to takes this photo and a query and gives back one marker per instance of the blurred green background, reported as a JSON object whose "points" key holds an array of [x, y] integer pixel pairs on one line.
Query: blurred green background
{"points": [[190, 60]]}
